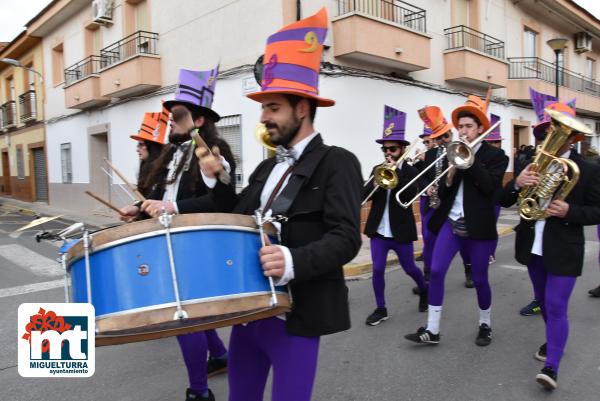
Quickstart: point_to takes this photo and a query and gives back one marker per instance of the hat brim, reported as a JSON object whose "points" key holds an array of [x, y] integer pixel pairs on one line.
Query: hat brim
{"points": [[446, 128], [321, 101], [424, 135], [144, 138], [401, 141], [169, 104], [483, 119]]}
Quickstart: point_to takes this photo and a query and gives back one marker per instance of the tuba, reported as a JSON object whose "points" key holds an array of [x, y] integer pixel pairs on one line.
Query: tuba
{"points": [[558, 175]]}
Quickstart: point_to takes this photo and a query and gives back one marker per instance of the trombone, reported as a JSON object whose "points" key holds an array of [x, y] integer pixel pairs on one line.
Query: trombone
{"points": [[385, 174], [460, 155]]}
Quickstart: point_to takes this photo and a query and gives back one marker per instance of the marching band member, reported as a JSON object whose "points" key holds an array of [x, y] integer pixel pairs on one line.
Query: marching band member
{"points": [[553, 248], [318, 188], [177, 187], [390, 226], [465, 218]]}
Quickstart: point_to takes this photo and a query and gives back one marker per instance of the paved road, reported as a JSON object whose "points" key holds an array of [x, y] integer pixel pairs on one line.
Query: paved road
{"points": [[365, 363]]}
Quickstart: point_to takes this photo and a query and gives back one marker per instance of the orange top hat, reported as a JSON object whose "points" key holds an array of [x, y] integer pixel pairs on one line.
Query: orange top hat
{"points": [[153, 128], [292, 60], [568, 109], [433, 118], [476, 106]]}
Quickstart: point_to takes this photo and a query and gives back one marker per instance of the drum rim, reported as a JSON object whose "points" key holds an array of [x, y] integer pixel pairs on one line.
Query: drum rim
{"points": [[157, 233], [280, 290]]}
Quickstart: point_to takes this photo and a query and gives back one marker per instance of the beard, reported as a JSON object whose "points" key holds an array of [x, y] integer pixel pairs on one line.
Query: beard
{"points": [[286, 132], [179, 137]]}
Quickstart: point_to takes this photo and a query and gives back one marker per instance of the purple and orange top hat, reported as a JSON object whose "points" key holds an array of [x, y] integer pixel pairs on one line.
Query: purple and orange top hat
{"points": [[433, 117], [154, 127], [394, 126], [476, 106], [426, 132], [539, 130], [292, 60], [538, 101], [196, 89], [494, 136]]}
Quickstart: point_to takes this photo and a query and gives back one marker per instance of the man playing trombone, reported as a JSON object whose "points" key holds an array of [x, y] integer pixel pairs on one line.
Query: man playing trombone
{"points": [[390, 226], [465, 217]]}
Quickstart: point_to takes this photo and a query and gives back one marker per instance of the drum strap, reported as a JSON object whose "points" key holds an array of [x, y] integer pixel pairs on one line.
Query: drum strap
{"points": [[303, 169]]}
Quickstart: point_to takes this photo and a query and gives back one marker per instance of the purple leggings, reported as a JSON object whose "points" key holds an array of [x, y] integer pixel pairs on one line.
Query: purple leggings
{"points": [[447, 245], [194, 347], [257, 346], [464, 254], [379, 250], [553, 292]]}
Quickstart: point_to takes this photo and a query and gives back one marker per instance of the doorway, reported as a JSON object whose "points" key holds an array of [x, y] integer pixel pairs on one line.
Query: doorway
{"points": [[5, 174]]}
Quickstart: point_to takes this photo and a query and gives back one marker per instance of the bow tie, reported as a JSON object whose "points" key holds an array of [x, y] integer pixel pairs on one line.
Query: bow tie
{"points": [[286, 155]]}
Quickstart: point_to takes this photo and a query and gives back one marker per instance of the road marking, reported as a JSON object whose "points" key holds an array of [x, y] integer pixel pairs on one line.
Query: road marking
{"points": [[15, 234], [29, 288], [30, 260], [513, 267]]}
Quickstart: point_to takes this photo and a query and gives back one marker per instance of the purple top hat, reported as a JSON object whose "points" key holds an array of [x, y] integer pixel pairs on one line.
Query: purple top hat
{"points": [[538, 101], [426, 132], [196, 89], [495, 135], [394, 124]]}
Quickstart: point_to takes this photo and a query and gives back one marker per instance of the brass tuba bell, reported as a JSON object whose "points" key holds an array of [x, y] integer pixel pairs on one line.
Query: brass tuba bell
{"points": [[558, 175], [262, 136]]}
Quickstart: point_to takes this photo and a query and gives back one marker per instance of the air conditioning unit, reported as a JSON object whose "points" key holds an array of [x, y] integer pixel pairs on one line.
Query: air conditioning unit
{"points": [[583, 42], [102, 11]]}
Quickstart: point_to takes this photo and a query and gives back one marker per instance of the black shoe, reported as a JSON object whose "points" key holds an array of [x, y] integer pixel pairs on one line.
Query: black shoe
{"points": [[533, 308], [540, 355], [216, 366], [468, 277], [378, 316], [484, 337], [416, 290], [423, 336], [595, 293], [423, 301], [547, 378], [191, 395]]}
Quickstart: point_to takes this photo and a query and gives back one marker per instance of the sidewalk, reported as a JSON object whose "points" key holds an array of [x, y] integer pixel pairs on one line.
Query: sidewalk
{"points": [[362, 264], [100, 217]]}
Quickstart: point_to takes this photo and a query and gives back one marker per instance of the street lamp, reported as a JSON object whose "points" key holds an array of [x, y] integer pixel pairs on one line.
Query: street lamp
{"points": [[17, 63], [557, 45]]}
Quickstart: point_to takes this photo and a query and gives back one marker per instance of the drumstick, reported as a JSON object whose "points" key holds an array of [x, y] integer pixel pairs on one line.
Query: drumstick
{"points": [[105, 203], [135, 191], [224, 176]]}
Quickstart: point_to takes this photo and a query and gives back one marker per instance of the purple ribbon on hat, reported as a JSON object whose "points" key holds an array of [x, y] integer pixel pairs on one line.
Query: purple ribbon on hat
{"points": [[297, 34]]}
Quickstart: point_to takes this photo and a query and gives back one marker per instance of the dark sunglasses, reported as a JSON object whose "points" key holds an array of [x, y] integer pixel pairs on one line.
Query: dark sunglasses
{"points": [[390, 148], [426, 142], [444, 136]]}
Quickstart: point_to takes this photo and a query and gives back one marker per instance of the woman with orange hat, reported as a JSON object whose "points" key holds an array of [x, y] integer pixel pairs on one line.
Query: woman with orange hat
{"points": [[465, 219], [552, 248]]}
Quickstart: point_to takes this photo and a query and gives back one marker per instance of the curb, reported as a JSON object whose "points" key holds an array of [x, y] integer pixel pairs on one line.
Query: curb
{"points": [[358, 269]]}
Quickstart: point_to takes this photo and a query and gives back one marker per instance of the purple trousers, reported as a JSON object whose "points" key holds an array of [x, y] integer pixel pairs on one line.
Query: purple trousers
{"points": [[379, 250], [194, 348], [465, 255], [553, 292], [446, 246], [257, 346]]}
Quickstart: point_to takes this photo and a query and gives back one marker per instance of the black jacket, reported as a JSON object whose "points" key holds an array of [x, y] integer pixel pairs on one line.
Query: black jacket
{"points": [[563, 242], [402, 221], [481, 182], [322, 232], [192, 194]]}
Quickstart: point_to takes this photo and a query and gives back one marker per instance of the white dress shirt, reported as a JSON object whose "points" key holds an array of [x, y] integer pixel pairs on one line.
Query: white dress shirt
{"points": [[538, 239], [458, 209], [274, 177], [170, 194]]}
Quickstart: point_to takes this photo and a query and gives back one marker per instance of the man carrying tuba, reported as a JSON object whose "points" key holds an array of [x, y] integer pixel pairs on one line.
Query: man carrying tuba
{"points": [[390, 226], [552, 248], [465, 219]]}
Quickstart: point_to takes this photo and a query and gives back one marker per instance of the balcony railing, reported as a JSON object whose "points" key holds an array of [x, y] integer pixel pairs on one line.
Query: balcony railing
{"points": [[462, 36], [139, 43], [9, 114], [536, 68], [27, 104], [396, 11], [88, 66]]}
